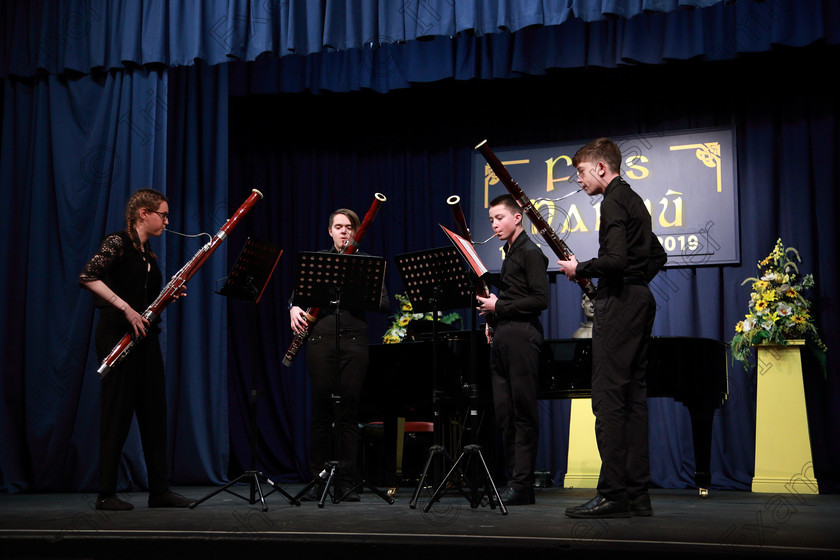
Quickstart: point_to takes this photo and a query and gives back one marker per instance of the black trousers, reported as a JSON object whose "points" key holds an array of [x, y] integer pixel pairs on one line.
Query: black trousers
{"points": [[514, 373], [352, 366], [623, 321], [135, 386]]}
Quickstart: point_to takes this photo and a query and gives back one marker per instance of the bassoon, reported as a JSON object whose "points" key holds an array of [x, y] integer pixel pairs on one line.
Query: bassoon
{"points": [[311, 314], [170, 292], [557, 245], [481, 287]]}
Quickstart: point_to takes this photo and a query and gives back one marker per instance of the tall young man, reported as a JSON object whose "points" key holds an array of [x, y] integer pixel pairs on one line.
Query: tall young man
{"points": [[515, 350], [629, 256]]}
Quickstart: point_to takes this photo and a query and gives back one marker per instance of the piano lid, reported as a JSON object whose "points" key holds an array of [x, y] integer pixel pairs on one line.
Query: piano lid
{"points": [[687, 369]]}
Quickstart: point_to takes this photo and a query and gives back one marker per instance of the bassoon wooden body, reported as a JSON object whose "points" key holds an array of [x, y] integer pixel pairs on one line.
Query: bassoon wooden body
{"points": [[311, 314], [481, 287], [557, 245], [170, 292]]}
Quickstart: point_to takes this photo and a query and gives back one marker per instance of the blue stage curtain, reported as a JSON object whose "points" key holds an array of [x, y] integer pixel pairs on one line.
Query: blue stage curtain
{"points": [[196, 134], [103, 97], [68, 171], [719, 32], [73, 152], [57, 37], [60, 36]]}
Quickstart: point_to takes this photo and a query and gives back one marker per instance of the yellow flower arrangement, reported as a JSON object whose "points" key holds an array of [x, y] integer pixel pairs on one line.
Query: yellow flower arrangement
{"points": [[778, 312], [405, 314]]}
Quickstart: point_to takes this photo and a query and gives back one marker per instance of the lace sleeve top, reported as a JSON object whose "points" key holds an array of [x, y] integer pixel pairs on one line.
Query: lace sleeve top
{"points": [[132, 274]]}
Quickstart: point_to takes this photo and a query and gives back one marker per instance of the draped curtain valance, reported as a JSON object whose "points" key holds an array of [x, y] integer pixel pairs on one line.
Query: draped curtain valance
{"points": [[296, 45], [55, 37]]}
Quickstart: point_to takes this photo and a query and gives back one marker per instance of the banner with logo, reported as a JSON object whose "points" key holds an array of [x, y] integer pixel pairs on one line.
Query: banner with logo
{"points": [[687, 180]]}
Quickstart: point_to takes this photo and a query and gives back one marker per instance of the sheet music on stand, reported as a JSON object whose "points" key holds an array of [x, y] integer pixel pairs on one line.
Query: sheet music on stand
{"points": [[358, 279], [467, 251], [435, 280], [255, 265]]}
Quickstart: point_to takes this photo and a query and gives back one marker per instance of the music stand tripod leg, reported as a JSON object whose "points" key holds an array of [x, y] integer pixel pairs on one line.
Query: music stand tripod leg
{"points": [[218, 490], [488, 482], [256, 484], [439, 490], [275, 488], [433, 450], [331, 479], [438, 448]]}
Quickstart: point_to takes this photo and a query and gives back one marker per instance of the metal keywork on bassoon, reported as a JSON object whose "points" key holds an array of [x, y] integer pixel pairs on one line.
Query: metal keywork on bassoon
{"points": [[481, 287], [171, 291], [311, 314], [557, 245]]}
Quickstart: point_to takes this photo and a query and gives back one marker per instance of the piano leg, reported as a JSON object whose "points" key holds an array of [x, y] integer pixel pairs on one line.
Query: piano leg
{"points": [[702, 419]]}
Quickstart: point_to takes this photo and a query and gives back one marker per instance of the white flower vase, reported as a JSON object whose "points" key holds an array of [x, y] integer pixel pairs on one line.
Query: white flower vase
{"points": [[783, 463]]}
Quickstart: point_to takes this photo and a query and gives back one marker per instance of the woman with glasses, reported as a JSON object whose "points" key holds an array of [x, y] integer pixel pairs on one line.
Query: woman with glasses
{"points": [[125, 278]]}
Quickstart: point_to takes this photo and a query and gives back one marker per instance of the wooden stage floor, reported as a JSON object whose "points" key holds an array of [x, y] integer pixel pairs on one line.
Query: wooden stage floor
{"points": [[726, 524]]}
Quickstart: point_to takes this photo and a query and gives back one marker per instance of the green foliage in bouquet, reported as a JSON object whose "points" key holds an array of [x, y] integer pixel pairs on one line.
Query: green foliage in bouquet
{"points": [[405, 314]]}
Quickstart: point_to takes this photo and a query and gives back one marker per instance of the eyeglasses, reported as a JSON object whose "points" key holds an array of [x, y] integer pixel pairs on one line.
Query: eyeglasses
{"points": [[163, 215]]}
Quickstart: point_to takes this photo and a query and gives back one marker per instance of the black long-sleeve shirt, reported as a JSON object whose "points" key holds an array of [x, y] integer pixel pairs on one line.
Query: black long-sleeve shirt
{"points": [[523, 275], [628, 249]]}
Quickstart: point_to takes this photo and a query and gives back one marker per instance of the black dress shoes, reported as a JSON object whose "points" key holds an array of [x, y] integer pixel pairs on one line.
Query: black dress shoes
{"points": [[517, 496], [110, 502], [600, 508], [169, 500], [640, 506]]}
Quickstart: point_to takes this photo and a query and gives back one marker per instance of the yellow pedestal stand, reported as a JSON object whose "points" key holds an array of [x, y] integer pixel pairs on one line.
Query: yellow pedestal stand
{"points": [[782, 443], [584, 461]]}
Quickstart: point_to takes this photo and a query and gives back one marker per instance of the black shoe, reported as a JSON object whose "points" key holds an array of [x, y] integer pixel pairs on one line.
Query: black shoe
{"points": [[640, 506], [110, 502], [512, 496], [600, 508], [169, 500]]}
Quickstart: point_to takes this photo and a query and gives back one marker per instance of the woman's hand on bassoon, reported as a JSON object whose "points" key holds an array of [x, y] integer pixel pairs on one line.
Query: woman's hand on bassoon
{"points": [[138, 323], [298, 319]]}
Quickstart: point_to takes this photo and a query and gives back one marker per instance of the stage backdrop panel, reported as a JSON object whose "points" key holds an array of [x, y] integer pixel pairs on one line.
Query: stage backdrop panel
{"points": [[688, 180]]}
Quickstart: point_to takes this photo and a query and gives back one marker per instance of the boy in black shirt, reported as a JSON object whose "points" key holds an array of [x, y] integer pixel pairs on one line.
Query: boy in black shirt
{"points": [[515, 349], [629, 256]]}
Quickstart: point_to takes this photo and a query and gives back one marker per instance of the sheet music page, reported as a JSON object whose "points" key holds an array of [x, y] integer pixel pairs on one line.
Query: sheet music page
{"points": [[468, 251]]}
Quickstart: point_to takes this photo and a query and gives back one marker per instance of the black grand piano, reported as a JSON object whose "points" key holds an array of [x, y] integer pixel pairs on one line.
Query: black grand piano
{"points": [[401, 381]]}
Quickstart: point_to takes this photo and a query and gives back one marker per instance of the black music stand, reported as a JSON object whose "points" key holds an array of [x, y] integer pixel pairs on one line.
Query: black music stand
{"points": [[473, 450], [434, 280], [354, 282], [247, 281]]}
